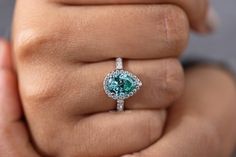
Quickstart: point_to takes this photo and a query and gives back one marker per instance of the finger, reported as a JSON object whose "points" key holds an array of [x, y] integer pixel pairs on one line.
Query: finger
{"points": [[188, 137], [101, 33], [8, 95], [195, 125], [122, 133], [80, 89], [14, 140], [196, 10]]}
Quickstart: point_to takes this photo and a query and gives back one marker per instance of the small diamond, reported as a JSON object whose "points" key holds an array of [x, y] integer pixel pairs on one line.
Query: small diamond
{"points": [[120, 105], [119, 63]]}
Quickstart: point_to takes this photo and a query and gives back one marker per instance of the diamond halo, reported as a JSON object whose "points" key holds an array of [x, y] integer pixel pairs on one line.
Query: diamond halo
{"points": [[120, 84]]}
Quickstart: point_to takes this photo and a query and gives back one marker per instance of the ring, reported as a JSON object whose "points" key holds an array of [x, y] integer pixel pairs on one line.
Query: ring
{"points": [[120, 84]]}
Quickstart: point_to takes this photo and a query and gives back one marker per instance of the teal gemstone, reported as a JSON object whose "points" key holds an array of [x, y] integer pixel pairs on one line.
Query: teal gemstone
{"points": [[121, 84]]}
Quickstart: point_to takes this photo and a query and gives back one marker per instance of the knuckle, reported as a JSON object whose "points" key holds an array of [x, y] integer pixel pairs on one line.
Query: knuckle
{"points": [[39, 78], [40, 91], [176, 27], [34, 45], [174, 79], [29, 42]]}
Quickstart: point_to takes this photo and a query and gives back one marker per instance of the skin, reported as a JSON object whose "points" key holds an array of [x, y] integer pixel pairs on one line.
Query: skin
{"points": [[61, 72], [61, 63], [14, 136], [195, 126], [201, 123], [190, 7]]}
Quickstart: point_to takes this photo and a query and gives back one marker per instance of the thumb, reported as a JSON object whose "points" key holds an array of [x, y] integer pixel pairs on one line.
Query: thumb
{"points": [[14, 138]]}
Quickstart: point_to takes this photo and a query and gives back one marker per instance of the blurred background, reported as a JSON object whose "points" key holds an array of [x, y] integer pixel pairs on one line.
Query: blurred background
{"points": [[220, 46]]}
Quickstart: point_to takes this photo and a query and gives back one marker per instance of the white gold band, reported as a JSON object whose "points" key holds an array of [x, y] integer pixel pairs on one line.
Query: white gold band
{"points": [[120, 105], [121, 84], [119, 63]]}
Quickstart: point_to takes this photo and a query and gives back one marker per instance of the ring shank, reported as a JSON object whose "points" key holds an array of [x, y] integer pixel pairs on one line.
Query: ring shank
{"points": [[120, 85], [120, 105], [119, 63]]}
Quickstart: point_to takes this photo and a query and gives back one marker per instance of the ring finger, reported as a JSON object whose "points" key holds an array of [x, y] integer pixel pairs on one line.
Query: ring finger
{"points": [[80, 89]]}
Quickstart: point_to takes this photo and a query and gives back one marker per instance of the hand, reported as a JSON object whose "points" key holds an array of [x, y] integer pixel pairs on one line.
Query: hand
{"points": [[14, 136], [63, 52], [202, 122], [196, 11]]}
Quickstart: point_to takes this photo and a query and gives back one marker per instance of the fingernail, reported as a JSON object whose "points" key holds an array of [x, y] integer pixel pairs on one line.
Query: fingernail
{"points": [[213, 20], [211, 23]]}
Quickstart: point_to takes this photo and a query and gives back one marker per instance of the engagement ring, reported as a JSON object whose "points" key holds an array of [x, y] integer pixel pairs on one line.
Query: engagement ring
{"points": [[120, 84]]}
